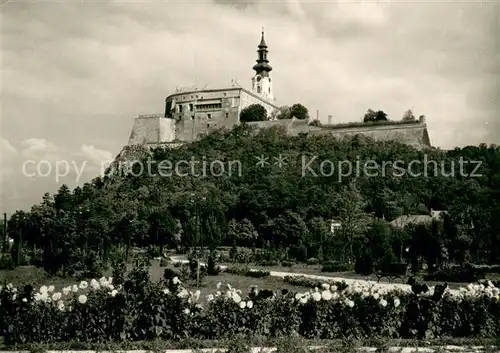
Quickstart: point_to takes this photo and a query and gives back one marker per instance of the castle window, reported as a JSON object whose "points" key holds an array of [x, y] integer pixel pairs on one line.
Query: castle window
{"points": [[227, 115], [208, 125], [258, 89], [180, 108], [192, 118], [191, 106], [209, 116], [225, 94]]}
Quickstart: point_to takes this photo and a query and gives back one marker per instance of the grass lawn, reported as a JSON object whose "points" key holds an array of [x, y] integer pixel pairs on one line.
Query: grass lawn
{"points": [[29, 274]]}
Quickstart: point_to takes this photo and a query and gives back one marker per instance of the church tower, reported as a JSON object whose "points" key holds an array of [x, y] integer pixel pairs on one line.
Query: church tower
{"points": [[261, 82]]}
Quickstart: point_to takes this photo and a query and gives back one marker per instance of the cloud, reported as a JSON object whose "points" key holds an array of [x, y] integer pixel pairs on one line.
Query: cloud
{"points": [[98, 157], [78, 73], [42, 166]]}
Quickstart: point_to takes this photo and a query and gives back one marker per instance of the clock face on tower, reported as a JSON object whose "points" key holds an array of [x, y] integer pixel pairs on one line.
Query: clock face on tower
{"points": [[258, 78]]}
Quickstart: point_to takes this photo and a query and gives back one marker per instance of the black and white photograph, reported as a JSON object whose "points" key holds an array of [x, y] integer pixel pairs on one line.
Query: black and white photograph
{"points": [[259, 176]]}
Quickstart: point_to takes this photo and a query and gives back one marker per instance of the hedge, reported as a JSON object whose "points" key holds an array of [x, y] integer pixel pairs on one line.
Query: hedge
{"points": [[139, 310]]}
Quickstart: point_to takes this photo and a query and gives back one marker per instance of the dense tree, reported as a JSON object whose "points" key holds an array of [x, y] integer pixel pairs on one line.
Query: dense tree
{"points": [[372, 116], [282, 206], [408, 115], [299, 112], [254, 112]]}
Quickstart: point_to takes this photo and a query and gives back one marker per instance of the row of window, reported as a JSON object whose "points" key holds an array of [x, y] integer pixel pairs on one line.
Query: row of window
{"points": [[209, 116], [200, 107]]}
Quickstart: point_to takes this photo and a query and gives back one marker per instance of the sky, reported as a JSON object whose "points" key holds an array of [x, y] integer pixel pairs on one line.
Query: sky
{"points": [[76, 74]]}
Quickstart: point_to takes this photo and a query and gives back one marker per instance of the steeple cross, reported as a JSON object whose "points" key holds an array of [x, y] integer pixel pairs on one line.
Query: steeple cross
{"points": [[262, 30]]}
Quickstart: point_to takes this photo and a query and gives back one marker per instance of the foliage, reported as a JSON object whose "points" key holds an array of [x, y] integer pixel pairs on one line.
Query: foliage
{"points": [[276, 210], [140, 310], [374, 116], [254, 112], [408, 115]]}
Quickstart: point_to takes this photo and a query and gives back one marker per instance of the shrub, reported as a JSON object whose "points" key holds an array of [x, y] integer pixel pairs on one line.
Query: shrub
{"points": [[312, 261], [212, 268], [454, 274], [335, 266], [6, 262], [142, 310], [163, 262], [287, 263], [268, 263], [364, 264]]}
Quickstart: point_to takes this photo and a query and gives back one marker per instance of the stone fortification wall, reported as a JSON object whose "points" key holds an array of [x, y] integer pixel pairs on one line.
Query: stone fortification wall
{"points": [[414, 134], [152, 129]]}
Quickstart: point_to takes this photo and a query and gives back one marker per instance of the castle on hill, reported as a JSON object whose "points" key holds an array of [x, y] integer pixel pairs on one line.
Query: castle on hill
{"points": [[192, 111]]}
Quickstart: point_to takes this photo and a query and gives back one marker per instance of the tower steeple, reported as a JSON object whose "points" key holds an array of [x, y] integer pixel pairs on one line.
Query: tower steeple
{"points": [[261, 82]]}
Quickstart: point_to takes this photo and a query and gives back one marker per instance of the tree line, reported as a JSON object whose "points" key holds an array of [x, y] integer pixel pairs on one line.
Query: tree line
{"points": [[273, 207]]}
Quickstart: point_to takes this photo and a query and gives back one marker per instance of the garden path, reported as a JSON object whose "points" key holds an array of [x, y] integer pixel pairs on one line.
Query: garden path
{"points": [[406, 287]]}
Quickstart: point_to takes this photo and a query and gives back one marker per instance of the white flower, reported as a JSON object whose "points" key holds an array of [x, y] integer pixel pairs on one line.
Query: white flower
{"points": [[326, 295], [376, 296], [298, 296], [114, 292], [176, 280], [303, 300], [74, 288], [316, 296], [236, 298], [218, 293], [94, 284], [396, 302], [166, 291], [83, 285], [56, 296], [43, 289], [197, 295], [333, 288], [210, 297], [60, 305], [325, 286], [66, 290], [249, 304], [350, 303], [218, 285], [14, 297], [383, 302], [50, 289], [82, 299], [229, 286], [25, 300], [183, 293], [243, 305], [186, 311], [335, 296]]}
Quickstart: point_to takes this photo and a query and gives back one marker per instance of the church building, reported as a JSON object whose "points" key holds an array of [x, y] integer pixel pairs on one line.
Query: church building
{"points": [[192, 111]]}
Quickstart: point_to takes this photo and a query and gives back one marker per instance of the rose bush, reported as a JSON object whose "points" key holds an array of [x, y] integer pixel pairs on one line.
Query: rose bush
{"points": [[140, 309]]}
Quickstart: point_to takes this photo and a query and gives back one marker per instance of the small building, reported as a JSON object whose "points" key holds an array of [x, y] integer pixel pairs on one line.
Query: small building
{"points": [[403, 221], [335, 225]]}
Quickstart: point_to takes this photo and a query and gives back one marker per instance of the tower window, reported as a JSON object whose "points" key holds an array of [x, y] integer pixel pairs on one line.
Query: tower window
{"points": [[269, 90], [209, 116], [227, 115], [192, 118], [180, 108], [258, 89], [191, 107]]}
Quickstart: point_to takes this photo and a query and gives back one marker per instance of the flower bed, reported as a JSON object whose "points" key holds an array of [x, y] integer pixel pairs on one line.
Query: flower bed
{"points": [[138, 309]]}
